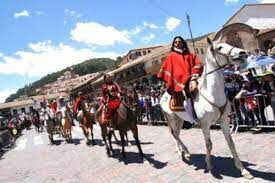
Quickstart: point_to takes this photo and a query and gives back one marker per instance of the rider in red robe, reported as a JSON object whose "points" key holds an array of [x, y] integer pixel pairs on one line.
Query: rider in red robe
{"points": [[78, 107], [180, 67], [53, 106], [111, 96]]}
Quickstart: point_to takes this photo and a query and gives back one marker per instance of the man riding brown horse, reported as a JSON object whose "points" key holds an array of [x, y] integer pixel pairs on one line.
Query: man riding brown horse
{"points": [[111, 98], [78, 107]]}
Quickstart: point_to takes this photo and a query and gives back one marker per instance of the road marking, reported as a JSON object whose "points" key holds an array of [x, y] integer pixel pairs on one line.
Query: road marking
{"points": [[21, 144], [38, 140]]}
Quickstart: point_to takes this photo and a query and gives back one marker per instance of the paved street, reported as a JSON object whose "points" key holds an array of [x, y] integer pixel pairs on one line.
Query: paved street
{"points": [[34, 160]]}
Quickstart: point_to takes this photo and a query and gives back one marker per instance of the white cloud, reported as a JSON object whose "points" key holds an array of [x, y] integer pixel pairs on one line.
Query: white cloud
{"points": [[172, 23], [5, 93], [267, 1], [71, 14], [98, 34], [150, 25], [39, 12], [135, 31], [148, 38], [23, 13], [45, 58]]}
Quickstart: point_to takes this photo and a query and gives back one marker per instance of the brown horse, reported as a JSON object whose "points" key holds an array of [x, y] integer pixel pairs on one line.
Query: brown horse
{"points": [[87, 123], [125, 121], [66, 125]]}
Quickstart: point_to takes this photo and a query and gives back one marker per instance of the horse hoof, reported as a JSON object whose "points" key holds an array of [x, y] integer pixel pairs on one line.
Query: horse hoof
{"points": [[145, 161], [187, 157], [246, 174]]}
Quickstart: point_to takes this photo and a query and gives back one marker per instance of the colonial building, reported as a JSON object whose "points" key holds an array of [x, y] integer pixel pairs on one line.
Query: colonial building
{"points": [[85, 87], [253, 26], [136, 53], [28, 104]]}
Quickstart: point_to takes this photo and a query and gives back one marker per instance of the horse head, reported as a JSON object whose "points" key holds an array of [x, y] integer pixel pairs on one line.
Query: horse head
{"points": [[64, 112], [224, 53]]}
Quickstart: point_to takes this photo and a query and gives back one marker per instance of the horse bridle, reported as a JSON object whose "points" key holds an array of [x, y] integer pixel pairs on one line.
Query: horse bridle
{"points": [[215, 52]]}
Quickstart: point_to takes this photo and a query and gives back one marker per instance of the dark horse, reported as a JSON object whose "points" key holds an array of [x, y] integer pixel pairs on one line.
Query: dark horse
{"points": [[87, 123], [125, 121], [37, 123]]}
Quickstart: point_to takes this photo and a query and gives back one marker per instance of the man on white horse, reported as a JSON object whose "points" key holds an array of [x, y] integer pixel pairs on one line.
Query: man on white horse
{"points": [[210, 102], [180, 69]]}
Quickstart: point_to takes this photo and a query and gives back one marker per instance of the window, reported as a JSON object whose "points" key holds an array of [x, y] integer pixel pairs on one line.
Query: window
{"points": [[144, 52], [14, 111], [156, 62], [197, 50], [138, 53], [149, 51], [23, 110], [202, 51], [31, 109]]}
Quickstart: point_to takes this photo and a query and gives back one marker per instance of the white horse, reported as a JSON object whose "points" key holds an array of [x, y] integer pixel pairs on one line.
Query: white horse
{"points": [[210, 103]]}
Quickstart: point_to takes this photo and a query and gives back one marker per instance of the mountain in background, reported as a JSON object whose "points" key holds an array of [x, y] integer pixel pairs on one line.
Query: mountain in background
{"points": [[86, 67]]}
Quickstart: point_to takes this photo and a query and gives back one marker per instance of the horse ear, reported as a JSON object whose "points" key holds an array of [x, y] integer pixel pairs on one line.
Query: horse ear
{"points": [[220, 38], [209, 41]]}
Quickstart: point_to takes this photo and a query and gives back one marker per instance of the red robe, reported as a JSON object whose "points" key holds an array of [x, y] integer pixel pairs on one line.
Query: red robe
{"points": [[76, 104], [110, 94], [54, 107], [177, 68]]}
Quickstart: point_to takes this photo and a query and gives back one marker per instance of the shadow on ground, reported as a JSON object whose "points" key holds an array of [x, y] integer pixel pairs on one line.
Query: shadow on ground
{"points": [[225, 166], [134, 157]]}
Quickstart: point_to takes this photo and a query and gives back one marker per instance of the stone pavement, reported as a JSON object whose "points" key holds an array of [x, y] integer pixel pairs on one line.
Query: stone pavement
{"points": [[34, 160]]}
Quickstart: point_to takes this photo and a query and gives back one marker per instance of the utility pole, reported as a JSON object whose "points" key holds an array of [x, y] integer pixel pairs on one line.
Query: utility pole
{"points": [[189, 23]]}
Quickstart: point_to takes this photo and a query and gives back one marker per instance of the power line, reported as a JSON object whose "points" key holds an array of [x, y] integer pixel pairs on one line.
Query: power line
{"points": [[155, 5]]}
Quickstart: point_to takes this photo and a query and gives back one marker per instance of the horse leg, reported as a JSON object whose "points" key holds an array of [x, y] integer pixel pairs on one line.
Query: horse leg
{"points": [[104, 134], [208, 143], [71, 137], [183, 151], [175, 125], [134, 130], [51, 137], [226, 131], [92, 135], [113, 132], [121, 133], [86, 133], [110, 133], [127, 140]]}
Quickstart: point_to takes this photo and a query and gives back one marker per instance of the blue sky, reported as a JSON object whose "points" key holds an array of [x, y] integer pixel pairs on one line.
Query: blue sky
{"points": [[40, 38]]}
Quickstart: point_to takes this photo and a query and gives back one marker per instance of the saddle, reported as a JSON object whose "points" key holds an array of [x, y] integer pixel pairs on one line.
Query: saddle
{"points": [[176, 102]]}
